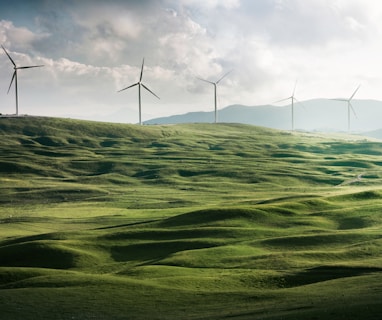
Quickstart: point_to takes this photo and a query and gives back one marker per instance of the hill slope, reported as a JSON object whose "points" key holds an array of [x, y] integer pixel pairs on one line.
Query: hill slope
{"points": [[112, 221], [90, 160]]}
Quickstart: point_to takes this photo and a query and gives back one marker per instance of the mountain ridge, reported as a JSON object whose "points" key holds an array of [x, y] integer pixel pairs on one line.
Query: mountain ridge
{"points": [[310, 115]]}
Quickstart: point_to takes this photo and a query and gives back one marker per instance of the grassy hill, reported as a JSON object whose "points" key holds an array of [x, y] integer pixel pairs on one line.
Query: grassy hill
{"points": [[201, 221]]}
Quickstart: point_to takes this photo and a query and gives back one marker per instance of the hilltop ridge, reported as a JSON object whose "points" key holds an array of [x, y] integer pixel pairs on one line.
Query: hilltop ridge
{"points": [[96, 157]]}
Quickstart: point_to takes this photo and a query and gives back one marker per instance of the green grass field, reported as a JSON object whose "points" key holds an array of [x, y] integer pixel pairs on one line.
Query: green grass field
{"points": [[199, 221]]}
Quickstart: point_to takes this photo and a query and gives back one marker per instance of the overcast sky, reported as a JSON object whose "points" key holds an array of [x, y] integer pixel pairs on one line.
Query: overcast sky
{"points": [[91, 49]]}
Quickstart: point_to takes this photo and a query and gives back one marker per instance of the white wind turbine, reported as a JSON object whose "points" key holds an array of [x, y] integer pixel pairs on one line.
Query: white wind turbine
{"points": [[14, 77], [215, 86], [293, 99], [350, 106], [139, 84]]}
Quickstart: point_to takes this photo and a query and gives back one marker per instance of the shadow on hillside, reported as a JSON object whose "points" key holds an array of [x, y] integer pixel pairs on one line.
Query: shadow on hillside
{"points": [[154, 251], [325, 273]]}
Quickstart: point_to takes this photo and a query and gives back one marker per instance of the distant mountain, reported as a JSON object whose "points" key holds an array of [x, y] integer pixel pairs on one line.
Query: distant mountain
{"points": [[374, 134], [310, 115]]}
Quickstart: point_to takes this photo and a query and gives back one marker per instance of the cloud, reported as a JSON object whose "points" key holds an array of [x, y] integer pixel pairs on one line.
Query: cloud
{"points": [[91, 49], [19, 38], [186, 46], [212, 4]]}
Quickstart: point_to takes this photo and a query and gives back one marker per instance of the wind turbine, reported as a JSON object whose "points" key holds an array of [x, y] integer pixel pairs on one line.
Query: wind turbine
{"points": [[350, 106], [139, 84], [215, 86], [293, 99], [14, 77]]}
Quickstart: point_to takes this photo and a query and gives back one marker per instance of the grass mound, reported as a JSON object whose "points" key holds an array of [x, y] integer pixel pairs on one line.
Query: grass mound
{"points": [[326, 273], [318, 240], [38, 254], [214, 217], [49, 250]]}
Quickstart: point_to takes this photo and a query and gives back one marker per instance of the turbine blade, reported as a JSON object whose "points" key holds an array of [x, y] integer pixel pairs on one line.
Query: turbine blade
{"points": [[352, 109], [133, 85], [206, 81], [223, 76], [283, 100], [28, 67], [13, 78], [149, 90], [339, 99], [294, 89], [354, 93], [140, 78], [299, 102], [9, 56]]}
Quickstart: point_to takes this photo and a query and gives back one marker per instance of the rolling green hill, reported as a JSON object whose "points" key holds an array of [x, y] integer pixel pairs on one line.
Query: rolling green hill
{"points": [[198, 221]]}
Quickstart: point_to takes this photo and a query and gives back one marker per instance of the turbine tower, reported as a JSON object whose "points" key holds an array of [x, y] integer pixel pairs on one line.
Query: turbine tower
{"points": [[139, 84], [215, 86], [14, 77], [293, 99], [350, 106]]}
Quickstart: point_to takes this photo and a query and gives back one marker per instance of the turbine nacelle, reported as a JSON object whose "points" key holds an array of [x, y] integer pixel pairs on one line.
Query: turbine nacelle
{"points": [[350, 106], [14, 77], [293, 99], [139, 84], [215, 86]]}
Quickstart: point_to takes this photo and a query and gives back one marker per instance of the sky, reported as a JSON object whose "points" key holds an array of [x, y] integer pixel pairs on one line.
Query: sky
{"points": [[90, 49]]}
